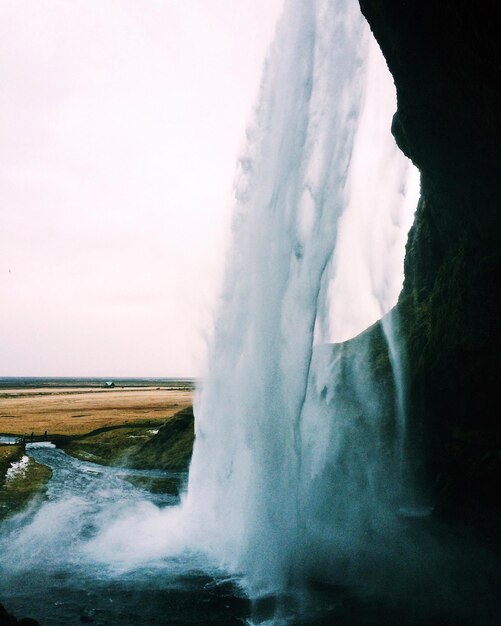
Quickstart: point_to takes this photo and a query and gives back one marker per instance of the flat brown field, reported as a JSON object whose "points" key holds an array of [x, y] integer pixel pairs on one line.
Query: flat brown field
{"points": [[75, 411]]}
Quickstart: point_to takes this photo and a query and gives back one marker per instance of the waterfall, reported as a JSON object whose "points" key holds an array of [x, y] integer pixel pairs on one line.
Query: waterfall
{"points": [[295, 469], [284, 476]]}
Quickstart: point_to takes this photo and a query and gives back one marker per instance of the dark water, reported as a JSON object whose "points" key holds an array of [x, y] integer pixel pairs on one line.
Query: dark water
{"points": [[47, 573]]}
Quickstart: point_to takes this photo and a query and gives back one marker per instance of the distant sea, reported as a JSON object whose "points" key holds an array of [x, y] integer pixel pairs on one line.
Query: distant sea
{"points": [[30, 382]]}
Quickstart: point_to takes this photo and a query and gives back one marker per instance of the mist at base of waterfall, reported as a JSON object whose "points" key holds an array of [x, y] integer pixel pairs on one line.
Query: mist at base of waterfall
{"points": [[102, 551], [54, 568]]}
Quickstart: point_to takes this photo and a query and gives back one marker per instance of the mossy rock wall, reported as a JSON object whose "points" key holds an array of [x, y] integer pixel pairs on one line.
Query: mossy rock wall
{"points": [[445, 58]]}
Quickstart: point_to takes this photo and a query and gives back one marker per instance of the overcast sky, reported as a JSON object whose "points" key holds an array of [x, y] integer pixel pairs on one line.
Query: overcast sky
{"points": [[120, 125]]}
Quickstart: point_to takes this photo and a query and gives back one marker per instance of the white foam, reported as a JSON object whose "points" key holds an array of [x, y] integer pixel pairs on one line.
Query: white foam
{"points": [[17, 469]]}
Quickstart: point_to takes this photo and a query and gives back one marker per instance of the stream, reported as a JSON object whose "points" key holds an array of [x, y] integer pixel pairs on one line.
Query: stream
{"points": [[48, 572]]}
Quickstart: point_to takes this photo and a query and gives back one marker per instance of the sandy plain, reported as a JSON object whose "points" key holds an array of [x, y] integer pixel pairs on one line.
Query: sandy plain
{"points": [[77, 411]]}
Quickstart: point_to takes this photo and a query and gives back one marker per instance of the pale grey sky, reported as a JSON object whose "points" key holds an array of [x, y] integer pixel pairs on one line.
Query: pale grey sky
{"points": [[120, 124]]}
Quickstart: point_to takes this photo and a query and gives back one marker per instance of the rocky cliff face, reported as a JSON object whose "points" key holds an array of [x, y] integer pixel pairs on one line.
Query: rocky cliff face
{"points": [[445, 58]]}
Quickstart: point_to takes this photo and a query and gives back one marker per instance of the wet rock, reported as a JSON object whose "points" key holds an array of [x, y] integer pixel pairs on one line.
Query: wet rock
{"points": [[445, 58]]}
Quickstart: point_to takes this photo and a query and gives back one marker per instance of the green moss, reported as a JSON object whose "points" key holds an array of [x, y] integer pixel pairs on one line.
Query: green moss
{"points": [[449, 307]]}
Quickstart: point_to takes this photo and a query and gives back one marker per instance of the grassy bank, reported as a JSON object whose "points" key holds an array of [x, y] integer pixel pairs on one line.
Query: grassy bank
{"points": [[8, 455], [111, 446], [142, 429], [171, 447], [166, 447], [21, 478]]}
